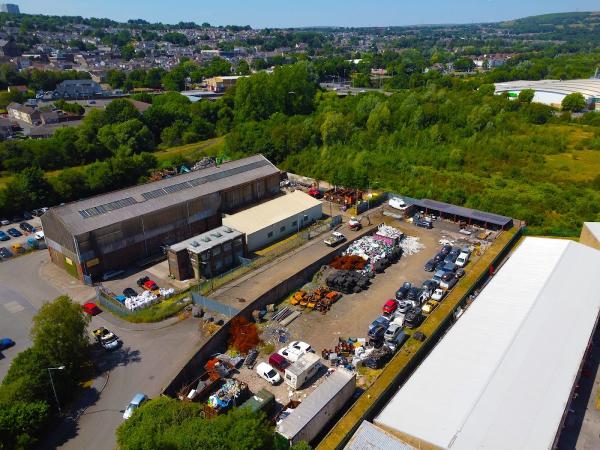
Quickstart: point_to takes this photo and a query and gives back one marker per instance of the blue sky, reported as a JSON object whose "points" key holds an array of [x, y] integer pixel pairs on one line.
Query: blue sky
{"points": [[282, 13]]}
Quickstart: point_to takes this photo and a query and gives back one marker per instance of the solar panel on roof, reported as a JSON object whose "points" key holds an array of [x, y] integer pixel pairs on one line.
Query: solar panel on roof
{"points": [[107, 207]]}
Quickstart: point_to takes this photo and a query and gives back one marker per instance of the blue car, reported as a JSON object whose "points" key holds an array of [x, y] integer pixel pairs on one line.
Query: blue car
{"points": [[6, 343], [14, 232], [4, 236]]}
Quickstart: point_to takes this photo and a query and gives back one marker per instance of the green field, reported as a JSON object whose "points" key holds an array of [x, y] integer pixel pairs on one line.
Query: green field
{"points": [[578, 165]]}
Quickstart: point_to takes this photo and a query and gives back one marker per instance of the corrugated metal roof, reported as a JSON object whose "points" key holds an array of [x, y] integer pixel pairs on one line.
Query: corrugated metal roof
{"points": [[103, 210], [304, 413], [594, 228], [208, 240], [271, 212], [502, 375], [371, 437], [589, 87], [461, 211]]}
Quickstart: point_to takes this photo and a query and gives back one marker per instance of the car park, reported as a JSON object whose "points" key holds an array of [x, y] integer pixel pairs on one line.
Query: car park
{"points": [[112, 274], [267, 372], [5, 253], [335, 239], [429, 306], [462, 259], [4, 236], [91, 309], [430, 265], [128, 292], [390, 306], [6, 343], [27, 227], [392, 331], [14, 232], [138, 400], [438, 294]]}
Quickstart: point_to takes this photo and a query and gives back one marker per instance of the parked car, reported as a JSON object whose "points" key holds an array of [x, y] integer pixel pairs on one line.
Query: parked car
{"points": [[6, 343], [390, 306], [429, 286], [450, 267], [413, 318], [128, 292], [315, 193], [112, 274], [27, 215], [267, 372], [438, 276], [378, 363], [452, 256], [395, 344], [429, 306], [354, 224], [291, 354], [462, 259], [448, 281], [438, 295], [335, 239], [137, 401], [405, 305], [300, 346], [107, 339], [424, 223], [27, 227], [439, 257], [460, 272], [251, 358], [447, 248], [381, 320], [91, 309], [413, 293], [439, 265], [376, 333], [5, 253], [14, 232], [392, 331], [403, 291], [150, 285], [430, 265], [278, 362], [4, 222], [39, 235], [16, 219], [397, 203]]}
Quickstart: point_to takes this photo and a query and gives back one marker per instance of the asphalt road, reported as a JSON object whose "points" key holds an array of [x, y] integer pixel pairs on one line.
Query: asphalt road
{"points": [[149, 358], [22, 292]]}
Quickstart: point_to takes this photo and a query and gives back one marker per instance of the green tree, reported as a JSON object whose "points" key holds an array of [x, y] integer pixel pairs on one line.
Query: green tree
{"points": [[334, 128], [126, 138], [20, 421], [120, 110], [574, 102], [464, 65], [29, 189], [526, 95], [59, 332]]}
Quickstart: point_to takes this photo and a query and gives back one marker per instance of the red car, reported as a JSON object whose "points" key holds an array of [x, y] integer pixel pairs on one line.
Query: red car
{"points": [[315, 193], [150, 285], [390, 306], [91, 308]]}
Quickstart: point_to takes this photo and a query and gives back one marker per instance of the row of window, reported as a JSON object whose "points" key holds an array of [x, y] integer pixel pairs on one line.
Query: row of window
{"points": [[282, 228]]}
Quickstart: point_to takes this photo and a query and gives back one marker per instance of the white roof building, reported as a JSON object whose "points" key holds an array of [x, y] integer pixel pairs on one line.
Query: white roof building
{"points": [[503, 375], [552, 92]]}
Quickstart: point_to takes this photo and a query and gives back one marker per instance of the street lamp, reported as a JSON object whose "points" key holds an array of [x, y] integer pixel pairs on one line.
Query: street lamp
{"points": [[50, 369]]}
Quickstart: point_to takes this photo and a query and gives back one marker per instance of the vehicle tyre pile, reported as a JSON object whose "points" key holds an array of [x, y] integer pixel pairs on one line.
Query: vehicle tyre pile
{"points": [[347, 282]]}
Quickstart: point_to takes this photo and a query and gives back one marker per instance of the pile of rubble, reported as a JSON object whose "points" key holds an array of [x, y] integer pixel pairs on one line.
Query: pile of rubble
{"points": [[348, 262], [147, 298], [207, 161], [227, 395], [378, 254], [411, 245]]}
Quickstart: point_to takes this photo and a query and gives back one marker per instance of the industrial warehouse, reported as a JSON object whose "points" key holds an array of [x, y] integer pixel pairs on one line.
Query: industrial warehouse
{"points": [[552, 92], [512, 388], [133, 225]]}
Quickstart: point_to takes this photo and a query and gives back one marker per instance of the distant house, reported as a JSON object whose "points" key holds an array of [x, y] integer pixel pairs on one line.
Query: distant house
{"points": [[49, 117], [8, 48], [221, 84], [77, 89], [24, 113]]}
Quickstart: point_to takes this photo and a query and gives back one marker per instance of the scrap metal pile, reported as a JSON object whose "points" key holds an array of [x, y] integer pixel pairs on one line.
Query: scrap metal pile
{"points": [[320, 299], [228, 395], [379, 250], [349, 353], [411, 245], [207, 161]]}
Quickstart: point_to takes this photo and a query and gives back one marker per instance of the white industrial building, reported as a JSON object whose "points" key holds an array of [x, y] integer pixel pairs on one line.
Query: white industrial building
{"points": [[275, 219], [503, 376], [552, 92]]}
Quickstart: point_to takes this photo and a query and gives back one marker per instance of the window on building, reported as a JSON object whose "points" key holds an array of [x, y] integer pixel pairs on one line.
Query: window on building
{"points": [[270, 235], [227, 247], [295, 223], [305, 217], [282, 229]]}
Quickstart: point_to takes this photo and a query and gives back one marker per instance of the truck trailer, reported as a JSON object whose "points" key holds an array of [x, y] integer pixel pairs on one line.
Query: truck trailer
{"points": [[305, 367], [312, 415]]}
